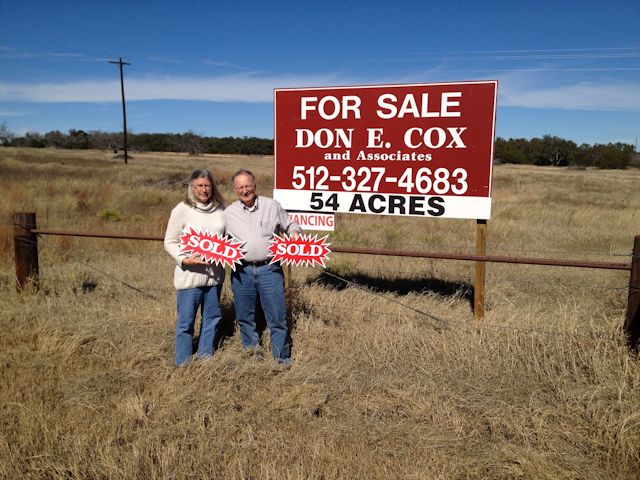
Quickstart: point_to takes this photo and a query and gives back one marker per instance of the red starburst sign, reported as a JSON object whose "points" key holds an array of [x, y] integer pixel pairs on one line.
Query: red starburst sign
{"points": [[304, 250], [212, 247]]}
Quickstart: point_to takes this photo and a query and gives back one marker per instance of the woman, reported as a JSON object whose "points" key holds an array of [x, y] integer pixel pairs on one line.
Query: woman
{"points": [[197, 282]]}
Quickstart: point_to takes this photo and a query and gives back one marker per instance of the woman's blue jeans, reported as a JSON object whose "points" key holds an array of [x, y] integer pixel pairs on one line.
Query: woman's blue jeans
{"points": [[189, 301], [267, 283]]}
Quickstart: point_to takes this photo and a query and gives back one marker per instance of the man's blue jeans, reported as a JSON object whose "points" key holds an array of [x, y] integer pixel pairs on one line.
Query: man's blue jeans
{"points": [[188, 301], [267, 283]]}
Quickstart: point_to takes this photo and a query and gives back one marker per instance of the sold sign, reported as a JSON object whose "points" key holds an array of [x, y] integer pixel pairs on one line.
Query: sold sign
{"points": [[211, 247], [304, 250]]}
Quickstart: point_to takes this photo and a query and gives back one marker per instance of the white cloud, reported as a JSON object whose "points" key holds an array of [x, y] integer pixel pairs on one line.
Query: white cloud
{"points": [[61, 92], [535, 91], [13, 113], [577, 97], [515, 90], [231, 88]]}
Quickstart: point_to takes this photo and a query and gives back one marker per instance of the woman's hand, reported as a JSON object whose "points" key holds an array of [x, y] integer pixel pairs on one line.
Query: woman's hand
{"points": [[191, 261]]}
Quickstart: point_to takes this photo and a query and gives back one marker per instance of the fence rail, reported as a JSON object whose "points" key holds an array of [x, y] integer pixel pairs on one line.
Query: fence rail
{"points": [[384, 252], [27, 270]]}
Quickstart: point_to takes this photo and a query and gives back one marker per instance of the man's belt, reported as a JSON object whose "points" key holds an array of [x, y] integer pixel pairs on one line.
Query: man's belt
{"points": [[259, 263]]}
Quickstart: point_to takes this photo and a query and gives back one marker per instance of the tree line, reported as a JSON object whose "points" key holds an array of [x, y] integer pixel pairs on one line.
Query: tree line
{"points": [[188, 142], [551, 150], [548, 150]]}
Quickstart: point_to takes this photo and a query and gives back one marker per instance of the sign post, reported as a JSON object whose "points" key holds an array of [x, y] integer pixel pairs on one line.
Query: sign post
{"points": [[478, 285]]}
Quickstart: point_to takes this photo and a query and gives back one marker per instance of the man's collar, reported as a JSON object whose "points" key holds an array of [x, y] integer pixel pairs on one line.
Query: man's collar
{"points": [[252, 208]]}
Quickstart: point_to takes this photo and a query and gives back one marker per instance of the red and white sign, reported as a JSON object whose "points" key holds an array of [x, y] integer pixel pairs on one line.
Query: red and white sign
{"points": [[419, 150], [304, 250], [314, 221], [211, 247]]}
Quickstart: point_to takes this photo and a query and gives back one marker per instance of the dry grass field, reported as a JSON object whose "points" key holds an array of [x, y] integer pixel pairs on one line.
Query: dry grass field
{"points": [[391, 376]]}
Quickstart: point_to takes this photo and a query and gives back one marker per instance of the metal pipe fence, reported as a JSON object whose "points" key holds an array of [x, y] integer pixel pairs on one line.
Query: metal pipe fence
{"points": [[27, 269]]}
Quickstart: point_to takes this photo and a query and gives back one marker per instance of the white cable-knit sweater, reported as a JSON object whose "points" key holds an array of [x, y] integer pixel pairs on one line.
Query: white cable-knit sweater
{"points": [[207, 217]]}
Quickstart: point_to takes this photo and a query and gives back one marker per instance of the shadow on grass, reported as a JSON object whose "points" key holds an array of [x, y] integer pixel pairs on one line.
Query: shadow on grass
{"points": [[399, 286], [227, 326]]}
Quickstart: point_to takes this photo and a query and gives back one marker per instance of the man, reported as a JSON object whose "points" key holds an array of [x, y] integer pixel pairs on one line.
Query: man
{"points": [[254, 219]]}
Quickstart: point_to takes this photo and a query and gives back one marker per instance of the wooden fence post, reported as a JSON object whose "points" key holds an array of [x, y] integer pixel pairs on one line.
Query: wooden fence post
{"points": [[632, 321], [26, 250], [478, 287], [287, 279]]}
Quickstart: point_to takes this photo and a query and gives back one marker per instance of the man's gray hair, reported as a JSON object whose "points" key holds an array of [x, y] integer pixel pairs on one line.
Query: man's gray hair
{"points": [[242, 171]]}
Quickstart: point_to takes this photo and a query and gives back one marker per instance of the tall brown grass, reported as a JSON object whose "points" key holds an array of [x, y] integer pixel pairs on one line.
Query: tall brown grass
{"points": [[391, 377]]}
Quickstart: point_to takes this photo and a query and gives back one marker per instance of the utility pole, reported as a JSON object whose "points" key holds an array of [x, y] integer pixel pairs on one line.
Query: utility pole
{"points": [[124, 110]]}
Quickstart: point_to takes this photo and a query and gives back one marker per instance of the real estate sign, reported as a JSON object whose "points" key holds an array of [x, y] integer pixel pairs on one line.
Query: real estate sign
{"points": [[418, 150]]}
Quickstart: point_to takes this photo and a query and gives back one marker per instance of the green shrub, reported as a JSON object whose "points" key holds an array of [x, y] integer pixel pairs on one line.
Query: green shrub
{"points": [[110, 215]]}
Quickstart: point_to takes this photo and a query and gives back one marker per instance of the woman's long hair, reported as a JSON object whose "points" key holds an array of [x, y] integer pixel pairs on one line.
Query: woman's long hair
{"points": [[215, 196]]}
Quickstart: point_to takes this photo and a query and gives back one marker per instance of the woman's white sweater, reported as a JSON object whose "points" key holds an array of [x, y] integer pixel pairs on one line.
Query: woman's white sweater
{"points": [[203, 217]]}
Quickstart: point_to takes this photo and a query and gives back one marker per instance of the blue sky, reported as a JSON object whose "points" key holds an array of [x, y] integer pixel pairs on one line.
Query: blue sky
{"points": [[565, 68]]}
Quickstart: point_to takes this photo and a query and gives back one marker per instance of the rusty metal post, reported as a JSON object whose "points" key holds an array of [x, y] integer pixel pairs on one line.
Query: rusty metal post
{"points": [[632, 321], [26, 250], [478, 287]]}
